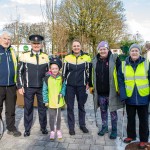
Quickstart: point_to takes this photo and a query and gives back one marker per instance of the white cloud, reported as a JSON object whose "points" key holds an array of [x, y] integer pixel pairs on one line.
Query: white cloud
{"points": [[142, 28], [28, 2]]}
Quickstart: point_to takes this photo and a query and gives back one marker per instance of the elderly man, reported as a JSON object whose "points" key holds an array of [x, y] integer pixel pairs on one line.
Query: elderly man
{"points": [[32, 67], [8, 68]]}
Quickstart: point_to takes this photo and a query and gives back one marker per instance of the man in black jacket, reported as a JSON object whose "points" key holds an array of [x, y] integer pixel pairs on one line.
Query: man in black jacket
{"points": [[32, 67], [8, 67]]}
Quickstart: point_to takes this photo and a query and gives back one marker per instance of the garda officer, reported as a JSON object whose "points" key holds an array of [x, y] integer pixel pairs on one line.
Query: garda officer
{"points": [[76, 73], [133, 77], [32, 67]]}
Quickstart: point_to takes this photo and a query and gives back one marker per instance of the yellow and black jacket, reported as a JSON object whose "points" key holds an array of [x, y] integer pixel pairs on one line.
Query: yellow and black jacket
{"points": [[31, 69], [77, 70]]}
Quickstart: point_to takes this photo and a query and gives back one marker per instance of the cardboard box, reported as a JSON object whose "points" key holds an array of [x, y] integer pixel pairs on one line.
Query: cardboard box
{"points": [[20, 100]]}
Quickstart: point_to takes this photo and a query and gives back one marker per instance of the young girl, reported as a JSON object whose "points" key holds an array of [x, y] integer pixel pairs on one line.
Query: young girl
{"points": [[53, 96]]}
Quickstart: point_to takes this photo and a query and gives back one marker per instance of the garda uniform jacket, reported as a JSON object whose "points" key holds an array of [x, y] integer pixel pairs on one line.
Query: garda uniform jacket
{"points": [[77, 70], [52, 87], [30, 71], [8, 66], [135, 99]]}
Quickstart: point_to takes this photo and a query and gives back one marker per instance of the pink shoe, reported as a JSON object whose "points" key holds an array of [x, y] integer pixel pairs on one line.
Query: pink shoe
{"points": [[52, 135], [59, 134]]}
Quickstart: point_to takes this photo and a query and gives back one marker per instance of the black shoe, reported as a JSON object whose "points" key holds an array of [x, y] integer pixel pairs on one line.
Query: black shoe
{"points": [[44, 131], [15, 133], [84, 129], [71, 132], [26, 133]]}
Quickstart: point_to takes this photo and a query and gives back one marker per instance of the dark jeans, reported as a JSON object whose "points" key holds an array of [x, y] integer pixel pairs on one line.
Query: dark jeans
{"points": [[8, 94], [28, 108], [142, 112], [80, 92]]}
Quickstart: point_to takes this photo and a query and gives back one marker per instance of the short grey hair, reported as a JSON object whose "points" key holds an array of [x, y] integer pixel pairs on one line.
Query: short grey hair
{"points": [[6, 33]]}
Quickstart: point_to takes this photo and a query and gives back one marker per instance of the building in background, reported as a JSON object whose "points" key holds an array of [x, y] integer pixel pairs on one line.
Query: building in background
{"points": [[116, 51], [21, 48]]}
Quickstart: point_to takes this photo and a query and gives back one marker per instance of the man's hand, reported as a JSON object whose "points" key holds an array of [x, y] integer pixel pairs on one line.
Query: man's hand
{"points": [[60, 95], [21, 91], [46, 104], [87, 86]]}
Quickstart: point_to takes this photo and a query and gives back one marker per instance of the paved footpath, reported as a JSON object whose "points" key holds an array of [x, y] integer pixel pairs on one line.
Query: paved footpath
{"points": [[80, 141]]}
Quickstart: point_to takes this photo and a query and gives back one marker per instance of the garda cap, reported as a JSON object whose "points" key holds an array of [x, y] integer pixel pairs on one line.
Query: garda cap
{"points": [[36, 38]]}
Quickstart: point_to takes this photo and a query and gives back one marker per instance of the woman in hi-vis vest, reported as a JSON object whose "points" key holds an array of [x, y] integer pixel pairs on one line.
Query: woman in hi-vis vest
{"points": [[133, 79]]}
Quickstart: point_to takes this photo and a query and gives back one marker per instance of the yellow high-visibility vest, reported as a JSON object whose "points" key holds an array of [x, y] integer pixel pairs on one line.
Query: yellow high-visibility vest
{"points": [[15, 63], [138, 78], [115, 79], [54, 88]]}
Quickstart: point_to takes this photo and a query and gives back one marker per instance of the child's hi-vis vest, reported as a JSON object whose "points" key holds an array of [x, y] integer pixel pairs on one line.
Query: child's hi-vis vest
{"points": [[54, 89]]}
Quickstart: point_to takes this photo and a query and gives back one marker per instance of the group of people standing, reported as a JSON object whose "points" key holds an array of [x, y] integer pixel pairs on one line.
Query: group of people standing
{"points": [[114, 84]]}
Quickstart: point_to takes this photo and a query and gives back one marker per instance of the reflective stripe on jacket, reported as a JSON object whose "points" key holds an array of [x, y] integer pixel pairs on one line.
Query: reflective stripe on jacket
{"points": [[139, 77], [77, 70], [31, 70]]}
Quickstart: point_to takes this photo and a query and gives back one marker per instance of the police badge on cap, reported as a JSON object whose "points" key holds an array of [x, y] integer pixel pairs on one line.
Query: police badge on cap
{"points": [[36, 38]]}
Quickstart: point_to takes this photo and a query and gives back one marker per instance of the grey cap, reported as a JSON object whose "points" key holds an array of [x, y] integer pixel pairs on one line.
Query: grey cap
{"points": [[135, 46]]}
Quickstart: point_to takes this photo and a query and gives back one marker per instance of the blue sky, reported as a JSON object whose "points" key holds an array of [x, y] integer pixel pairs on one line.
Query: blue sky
{"points": [[137, 14], [138, 17]]}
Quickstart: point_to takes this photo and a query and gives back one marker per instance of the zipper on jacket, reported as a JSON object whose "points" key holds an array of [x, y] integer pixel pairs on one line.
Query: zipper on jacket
{"points": [[8, 65], [76, 72], [135, 89], [37, 66]]}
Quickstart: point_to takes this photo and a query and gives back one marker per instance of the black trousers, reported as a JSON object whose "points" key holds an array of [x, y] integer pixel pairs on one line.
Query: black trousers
{"points": [[8, 94], [80, 92], [28, 108], [142, 112]]}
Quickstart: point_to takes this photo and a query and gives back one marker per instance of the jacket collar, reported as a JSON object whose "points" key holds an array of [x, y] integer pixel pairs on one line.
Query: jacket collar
{"points": [[129, 61], [2, 48], [81, 53]]}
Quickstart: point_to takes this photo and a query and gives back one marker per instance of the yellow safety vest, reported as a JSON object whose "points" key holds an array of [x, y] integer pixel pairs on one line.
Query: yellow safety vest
{"points": [[138, 78], [15, 63], [115, 79], [54, 88]]}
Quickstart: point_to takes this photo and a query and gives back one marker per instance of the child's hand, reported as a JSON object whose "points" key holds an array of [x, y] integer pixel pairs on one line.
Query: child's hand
{"points": [[60, 95], [46, 104]]}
